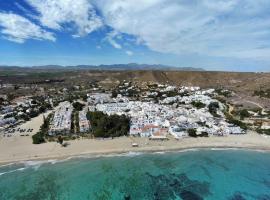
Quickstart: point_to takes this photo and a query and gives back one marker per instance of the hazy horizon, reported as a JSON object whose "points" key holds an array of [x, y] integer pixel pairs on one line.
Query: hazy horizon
{"points": [[223, 35]]}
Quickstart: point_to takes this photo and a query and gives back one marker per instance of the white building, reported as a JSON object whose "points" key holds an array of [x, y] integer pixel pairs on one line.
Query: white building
{"points": [[61, 122], [83, 121]]}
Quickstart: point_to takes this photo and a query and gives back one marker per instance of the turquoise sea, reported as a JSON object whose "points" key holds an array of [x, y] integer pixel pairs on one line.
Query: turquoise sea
{"points": [[189, 175]]}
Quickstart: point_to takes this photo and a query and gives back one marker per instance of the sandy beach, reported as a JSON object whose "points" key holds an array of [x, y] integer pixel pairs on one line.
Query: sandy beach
{"points": [[18, 148], [33, 124]]}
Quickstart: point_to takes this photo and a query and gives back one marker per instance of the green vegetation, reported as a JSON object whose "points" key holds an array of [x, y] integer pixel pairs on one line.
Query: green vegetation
{"points": [[33, 113], [152, 85], [198, 104], [263, 131], [114, 94], [77, 125], [213, 107], [236, 122], [10, 97], [24, 116], [39, 137], [221, 99], [84, 97], [72, 125], [60, 139], [262, 93], [108, 126], [225, 93], [71, 98], [171, 93], [44, 107], [132, 93], [78, 106], [203, 134], [192, 132], [244, 114], [2, 100]]}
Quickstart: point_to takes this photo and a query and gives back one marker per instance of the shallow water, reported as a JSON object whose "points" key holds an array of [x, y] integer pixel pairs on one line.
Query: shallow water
{"points": [[191, 175]]}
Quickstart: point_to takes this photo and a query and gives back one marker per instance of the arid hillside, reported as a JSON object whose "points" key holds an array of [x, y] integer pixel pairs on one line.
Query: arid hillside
{"points": [[243, 84], [233, 80]]}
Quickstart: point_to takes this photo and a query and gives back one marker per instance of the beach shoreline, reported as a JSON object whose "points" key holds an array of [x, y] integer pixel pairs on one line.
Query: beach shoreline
{"points": [[132, 153], [20, 149]]}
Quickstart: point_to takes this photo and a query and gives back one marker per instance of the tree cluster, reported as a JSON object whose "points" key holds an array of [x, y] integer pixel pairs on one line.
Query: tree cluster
{"points": [[108, 125], [78, 106], [193, 133], [213, 107], [198, 104], [264, 131], [39, 137], [236, 122], [262, 93], [114, 93], [244, 114], [225, 93]]}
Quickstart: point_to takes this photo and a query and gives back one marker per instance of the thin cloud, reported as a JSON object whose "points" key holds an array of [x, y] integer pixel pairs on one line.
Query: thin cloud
{"points": [[215, 28], [111, 38], [19, 29], [80, 14], [207, 27], [130, 53]]}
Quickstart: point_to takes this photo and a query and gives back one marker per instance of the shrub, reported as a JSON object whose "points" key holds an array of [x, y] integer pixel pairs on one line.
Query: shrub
{"points": [[60, 139], [192, 132], [203, 134], [244, 113], [114, 94], [38, 138], [108, 126], [198, 104], [78, 106], [236, 122], [263, 131], [213, 107]]}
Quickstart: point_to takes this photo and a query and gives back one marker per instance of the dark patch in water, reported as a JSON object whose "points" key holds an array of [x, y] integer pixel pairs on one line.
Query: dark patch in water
{"points": [[163, 163], [240, 196], [177, 185], [106, 167], [212, 162], [206, 171], [263, 197], [45, 188], [103, 194], [266, 183], [187, 195], [127, 185], [237, 196], [127, 197], [2, 193]]}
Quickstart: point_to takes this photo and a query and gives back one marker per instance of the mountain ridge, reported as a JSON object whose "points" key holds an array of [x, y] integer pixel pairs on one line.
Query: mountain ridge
{"points": [[111, 67]]}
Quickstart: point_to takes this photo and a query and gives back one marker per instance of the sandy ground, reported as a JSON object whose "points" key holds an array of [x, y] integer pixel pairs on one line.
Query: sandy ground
{"points": [[18, 148], [34, 124]]}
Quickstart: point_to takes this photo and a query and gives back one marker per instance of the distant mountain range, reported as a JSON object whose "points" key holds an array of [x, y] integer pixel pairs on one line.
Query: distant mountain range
{"points": [[121, 67]]}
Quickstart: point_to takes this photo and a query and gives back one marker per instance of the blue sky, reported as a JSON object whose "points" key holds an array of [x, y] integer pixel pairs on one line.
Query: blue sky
{"points": [[230, 35]]}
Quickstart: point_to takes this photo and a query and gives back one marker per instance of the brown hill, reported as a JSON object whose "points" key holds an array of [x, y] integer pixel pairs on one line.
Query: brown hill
{"points": [[233, 80]]}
